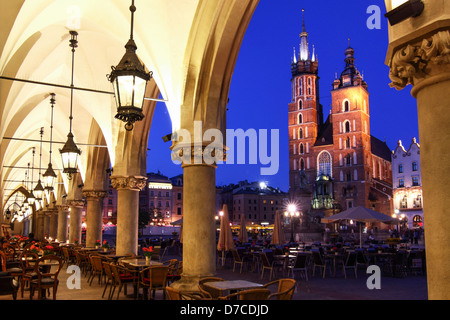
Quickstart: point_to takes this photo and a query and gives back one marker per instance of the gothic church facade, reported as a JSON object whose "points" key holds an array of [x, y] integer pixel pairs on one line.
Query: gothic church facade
{"points": [[334, 164]]}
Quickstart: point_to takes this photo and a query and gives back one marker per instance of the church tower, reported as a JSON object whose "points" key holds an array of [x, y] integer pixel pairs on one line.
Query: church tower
{"points": [[305, 114], [351, 135]]}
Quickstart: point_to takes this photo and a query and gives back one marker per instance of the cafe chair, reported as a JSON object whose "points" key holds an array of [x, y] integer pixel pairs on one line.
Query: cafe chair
{"points": [[8, 285], [361, 259], [208, 291], [109, 278], [46, 278], [285, 289], [69, 256], [300, 264], [237, 260], [122, 276], [28, 260], [97, 268], [266, 265], [319, 262], [350, 263], [81, 261], [175, 270], [152, 279], [251, 294], [175, 294]]}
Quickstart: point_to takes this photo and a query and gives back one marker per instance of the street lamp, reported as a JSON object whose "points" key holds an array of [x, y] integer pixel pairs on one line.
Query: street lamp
{"points": [[129, 79], [292, 213]]}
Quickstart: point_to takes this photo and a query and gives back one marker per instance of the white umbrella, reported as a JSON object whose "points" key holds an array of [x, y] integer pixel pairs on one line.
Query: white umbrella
{"points": [[225, 242], [360, 214], [278, 234]]}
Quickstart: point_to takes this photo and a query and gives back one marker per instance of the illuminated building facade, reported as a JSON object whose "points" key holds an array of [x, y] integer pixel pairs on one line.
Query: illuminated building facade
{"points": [[334, 164], [407, 180]]}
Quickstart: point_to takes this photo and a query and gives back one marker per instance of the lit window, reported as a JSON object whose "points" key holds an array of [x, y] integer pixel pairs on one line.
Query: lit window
{"points": [[414, 166], [401, 183], [324, 164], [400, 168], [415, 181]]}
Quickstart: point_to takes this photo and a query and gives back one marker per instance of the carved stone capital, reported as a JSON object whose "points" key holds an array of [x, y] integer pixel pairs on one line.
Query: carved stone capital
{"points": [[96, 194], [415, 63], [199, 154], [75, 203], [129, 183], [63, 207]]}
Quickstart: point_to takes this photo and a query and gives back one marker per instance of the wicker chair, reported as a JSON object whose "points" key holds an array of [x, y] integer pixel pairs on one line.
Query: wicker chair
{"points": [[109, 278], [238, 260], [251, 294], [122, 276], [350, 263], [285, 289], [28, 260], [46, 278], [208, 291], [174, 294], [152, 279], [97, 268]]}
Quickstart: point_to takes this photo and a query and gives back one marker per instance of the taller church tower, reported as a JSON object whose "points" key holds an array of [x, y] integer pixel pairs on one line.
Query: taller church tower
{"points": [[305, 114]]}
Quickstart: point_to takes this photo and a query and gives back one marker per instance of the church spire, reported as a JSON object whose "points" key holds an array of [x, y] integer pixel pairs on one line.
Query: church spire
{"points": [[304, 50]]}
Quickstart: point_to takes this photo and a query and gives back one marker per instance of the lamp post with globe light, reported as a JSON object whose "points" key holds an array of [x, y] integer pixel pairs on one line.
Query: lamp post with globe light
{"points": [[292, 213]]}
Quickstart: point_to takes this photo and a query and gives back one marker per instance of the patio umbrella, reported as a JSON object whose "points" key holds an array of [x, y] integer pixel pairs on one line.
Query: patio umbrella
{"points": [[243, 235], [179, 222], [278, 235], [360, 214], [225, 242]]}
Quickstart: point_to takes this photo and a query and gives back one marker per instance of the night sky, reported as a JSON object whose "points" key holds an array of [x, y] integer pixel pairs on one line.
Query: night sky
{"points": [[261, 90]]}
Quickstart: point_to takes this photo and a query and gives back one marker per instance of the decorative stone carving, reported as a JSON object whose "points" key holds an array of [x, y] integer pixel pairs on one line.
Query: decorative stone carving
{"points": [[131, 183], [210, 154], [413, 63], [75, 203], [95, 194]]}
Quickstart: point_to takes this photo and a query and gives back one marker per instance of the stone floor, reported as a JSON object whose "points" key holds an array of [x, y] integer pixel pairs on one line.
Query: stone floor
{"points": [[413, 287]]}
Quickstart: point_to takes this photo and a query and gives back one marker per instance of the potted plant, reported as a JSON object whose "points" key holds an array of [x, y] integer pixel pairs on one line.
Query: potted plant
{"points": [[148, 253], [97, 244], [105, 245]]}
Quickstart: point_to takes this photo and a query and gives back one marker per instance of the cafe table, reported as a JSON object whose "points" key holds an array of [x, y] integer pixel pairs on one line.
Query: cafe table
{"points": [[138, 265], [285, 259], [232, 285]]}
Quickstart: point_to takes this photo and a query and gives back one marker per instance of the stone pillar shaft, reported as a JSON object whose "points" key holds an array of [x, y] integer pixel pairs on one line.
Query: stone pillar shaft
{"points": [[62, 223], [94, 216], [76, 212], [127, 212], [53, 224]]}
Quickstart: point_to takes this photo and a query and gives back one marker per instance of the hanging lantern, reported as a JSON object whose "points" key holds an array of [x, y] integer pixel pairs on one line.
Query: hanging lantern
{"points": [[70, 151], [129, 79], [50, 175]]}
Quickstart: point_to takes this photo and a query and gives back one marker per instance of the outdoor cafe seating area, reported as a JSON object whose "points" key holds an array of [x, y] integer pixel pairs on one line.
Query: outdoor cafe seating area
{"points": [[33, 270]]}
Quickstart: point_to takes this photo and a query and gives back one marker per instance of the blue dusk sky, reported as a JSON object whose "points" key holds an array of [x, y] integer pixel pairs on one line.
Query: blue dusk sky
{"points": [[261, 90]]}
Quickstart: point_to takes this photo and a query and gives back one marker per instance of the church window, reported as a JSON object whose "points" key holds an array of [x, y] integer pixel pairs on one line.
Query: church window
{"points": [[300, 118], [347, 143], [324, 164], [300, 133], [302, 164], [300, 104], [346, 106], [309, 90], [347, 127], [302, 149], [349, 176], [348, 160]]}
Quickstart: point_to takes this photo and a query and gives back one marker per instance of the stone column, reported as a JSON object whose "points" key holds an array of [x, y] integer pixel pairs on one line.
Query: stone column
{"points": [[39, 231], [199, 232], [426, 65], [53, 223], [94, 216], [62, 223], [76, 212], [127, 212]]}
